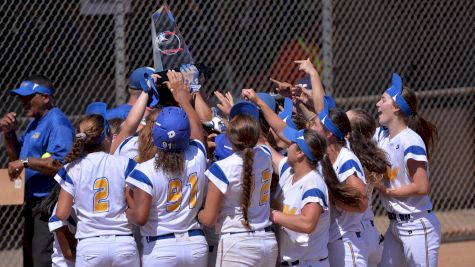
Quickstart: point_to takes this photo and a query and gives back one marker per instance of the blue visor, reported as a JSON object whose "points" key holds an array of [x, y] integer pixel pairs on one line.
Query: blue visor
{"points": [[298, 138], [268, 99], [246, 108], [29, 88], [99, 108], [395, 92], [136, 77], [324, 117], [286, 113], [223, 148]]}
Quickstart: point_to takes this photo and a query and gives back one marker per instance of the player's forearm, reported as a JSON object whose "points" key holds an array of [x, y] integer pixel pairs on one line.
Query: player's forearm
{"points": [[12, 146], [195, 122], [276, 123], [202, 109], [317, 92], [134, 216], [408, 190], [298, 223]]}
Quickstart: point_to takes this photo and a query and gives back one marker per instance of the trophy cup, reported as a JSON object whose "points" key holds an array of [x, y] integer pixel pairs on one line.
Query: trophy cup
{"points": [[169, 47]]}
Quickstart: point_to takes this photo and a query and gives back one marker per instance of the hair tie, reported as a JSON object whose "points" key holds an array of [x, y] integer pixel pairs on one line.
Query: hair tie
{"points": [[81, 136]]}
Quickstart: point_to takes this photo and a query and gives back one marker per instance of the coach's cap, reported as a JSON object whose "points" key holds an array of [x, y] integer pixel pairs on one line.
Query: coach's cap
{"points": [[268, 99], [223, 148], [99, 108], [29, 88], [244, 107], [324, 117], [136, 79], [172, 131], [286, 113], [395, 92], [298, 138]]}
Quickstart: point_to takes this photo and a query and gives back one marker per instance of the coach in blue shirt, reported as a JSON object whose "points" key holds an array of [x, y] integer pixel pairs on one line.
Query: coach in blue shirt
{"points": [[40, 151]]}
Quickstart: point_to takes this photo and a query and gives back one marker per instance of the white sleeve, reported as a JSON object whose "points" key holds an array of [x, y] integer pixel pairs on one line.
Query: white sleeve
{"points": [[138, 179], [54, 223], [201, 147], [65, 181], [314, 194], [216, 175], [415, 149]]}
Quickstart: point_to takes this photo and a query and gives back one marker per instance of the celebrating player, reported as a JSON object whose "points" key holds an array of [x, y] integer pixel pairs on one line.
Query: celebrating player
{"points": [[94, 181], [238, 195], [168, 189], [413, 236]]}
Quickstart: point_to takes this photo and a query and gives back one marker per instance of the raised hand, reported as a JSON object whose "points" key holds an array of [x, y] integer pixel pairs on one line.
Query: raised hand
{"points": [[8, 122], [177, 87], [307, 66], [283, 88], [250, 95], [226, 102]]}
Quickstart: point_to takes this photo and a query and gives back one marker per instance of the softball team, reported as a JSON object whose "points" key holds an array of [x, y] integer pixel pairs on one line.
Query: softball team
{"points": [[325, 174]]}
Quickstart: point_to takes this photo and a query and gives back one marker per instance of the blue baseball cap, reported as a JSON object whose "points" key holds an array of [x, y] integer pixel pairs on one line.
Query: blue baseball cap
{"points": [[29, 88], [268, 99], [136, 78], [298, 138], [395, 92], [223, 148], [99, 108], [324, 117], [172, 131], [244, 107], [286, 113], [306, 81]]}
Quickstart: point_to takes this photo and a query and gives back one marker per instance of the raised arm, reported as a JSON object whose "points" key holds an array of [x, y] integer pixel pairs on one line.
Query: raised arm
{"points": [[182, 96], [277, 124], [317, 89]]}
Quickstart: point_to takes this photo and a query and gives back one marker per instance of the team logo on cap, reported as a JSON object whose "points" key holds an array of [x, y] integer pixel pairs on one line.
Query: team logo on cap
{"points": [[171, 134]]}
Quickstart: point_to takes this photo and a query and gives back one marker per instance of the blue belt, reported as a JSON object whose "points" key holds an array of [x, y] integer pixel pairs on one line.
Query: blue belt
{"points": [[295, 263], [194, 232], [267, 229], [402, 217]]}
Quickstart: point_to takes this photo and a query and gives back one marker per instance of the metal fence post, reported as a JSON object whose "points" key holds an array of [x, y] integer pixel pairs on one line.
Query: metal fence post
{"points": [[327, 45], [119, 41]]}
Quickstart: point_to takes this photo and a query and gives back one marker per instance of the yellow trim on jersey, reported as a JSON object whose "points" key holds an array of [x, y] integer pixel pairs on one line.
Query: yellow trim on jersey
{"points": [[46, 155]]}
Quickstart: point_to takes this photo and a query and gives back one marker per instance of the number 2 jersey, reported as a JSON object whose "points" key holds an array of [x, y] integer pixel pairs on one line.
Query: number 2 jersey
{"points": [[176, 199], [97, 183], [226, 175]]}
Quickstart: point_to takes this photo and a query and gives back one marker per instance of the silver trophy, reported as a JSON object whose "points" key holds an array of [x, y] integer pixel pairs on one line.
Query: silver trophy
{"points": [[169, 48]]}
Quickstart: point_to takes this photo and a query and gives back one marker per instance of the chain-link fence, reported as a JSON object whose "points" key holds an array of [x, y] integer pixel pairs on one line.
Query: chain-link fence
{"points": [[88, 47]]}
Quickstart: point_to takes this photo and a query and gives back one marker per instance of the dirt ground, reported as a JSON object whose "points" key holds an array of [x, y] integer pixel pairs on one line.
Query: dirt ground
{"points": [[457, 254]]}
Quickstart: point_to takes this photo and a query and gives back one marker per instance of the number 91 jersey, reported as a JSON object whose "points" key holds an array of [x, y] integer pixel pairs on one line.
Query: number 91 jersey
{"points": [[97, 184], [176, 200]]}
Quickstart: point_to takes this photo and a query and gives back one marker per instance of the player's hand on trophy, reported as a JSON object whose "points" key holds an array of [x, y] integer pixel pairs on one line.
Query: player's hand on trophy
{"points": [[177, 87], [226, 102], [191, 77], [8, 122], [307, 67]]}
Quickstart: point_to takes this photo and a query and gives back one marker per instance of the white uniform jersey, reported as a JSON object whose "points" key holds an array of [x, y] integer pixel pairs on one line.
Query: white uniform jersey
{"points": [[175, 200], [129, 148], [345, 165], [226, 176], [309, 189], [57, 257], [402, 147], [97, 184]]}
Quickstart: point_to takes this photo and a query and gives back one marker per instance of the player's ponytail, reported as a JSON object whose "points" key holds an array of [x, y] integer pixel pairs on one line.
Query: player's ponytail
{"points": [[87, 140], [339, 191], [363, 127], [147, 148], [425, 129], [248, 162], [243, 133]]}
